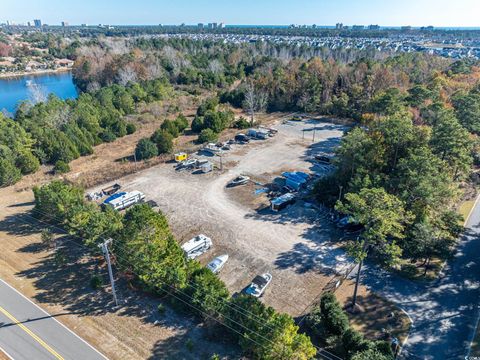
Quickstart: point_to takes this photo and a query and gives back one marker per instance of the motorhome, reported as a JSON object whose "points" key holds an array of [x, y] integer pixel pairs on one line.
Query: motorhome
{"points": [[196, 246], [123, 200]]}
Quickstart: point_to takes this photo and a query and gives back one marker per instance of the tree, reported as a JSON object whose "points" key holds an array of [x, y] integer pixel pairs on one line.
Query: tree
{"points": [[382, 216], [255, 100], [181, 122], [207, 135], [163, 140], [9, 173], [198, 124], [61, 167], [145, 149], [47, 238], [170, 127], [371, 354]]}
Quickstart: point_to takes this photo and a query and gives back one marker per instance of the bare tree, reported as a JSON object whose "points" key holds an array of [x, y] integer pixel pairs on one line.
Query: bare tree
{"points": [[127, 74], [255, 100]]}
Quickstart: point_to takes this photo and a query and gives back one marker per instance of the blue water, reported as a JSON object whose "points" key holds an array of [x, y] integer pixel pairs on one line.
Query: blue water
{"points": [[15, 90]]}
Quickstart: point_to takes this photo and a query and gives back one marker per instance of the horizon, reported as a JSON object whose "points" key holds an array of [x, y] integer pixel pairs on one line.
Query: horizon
{"points": [[437, 13]]}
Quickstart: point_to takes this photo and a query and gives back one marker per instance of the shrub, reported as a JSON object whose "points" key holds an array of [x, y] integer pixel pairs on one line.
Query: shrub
{"points": [[161, 309], [197, 124], [27, 162], [181, 122], [207, 135], [96, 282], [146, 149], [131, 128], [170, 127], [9, 173], [61, 167], [108, 136], [241, 123], [163, 140], [333, 317]]}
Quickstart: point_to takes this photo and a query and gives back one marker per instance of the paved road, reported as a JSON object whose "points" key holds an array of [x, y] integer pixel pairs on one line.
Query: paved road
{"points": [[27, 332], [444, 312]]}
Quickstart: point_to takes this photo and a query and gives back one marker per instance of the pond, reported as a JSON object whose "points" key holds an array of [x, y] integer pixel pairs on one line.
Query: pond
{"points": [[35, 88]]}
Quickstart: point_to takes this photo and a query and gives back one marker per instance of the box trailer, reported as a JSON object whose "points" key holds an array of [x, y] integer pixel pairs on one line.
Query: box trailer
{"points": [[179, 157], [124, 200], [197, 246], [282, 202]]}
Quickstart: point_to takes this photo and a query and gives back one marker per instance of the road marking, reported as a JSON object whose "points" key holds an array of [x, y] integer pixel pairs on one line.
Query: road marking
{"points": [[2, 351], [29, 332], [58, 322]]}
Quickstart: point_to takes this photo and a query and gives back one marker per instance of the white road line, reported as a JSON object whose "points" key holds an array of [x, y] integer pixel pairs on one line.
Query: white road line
{"points": [[6, 354], [51, 317]]}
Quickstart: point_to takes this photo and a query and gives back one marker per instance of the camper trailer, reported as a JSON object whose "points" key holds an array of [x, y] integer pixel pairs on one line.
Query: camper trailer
{"points": [[282, 202], [196, 246], [123, 200]]}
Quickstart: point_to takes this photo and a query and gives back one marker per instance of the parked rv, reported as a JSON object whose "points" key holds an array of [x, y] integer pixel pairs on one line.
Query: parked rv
{"points": [[239, 180], [259, 284], [217, 264], [282, 202], [123, 200], [197, 246]]}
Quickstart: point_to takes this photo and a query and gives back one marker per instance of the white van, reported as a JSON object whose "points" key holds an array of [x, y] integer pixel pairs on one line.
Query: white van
{"points": [[197, 246]]}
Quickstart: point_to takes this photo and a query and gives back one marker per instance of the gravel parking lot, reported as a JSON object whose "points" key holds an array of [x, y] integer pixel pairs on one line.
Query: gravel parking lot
{"points": [[294, 245]]}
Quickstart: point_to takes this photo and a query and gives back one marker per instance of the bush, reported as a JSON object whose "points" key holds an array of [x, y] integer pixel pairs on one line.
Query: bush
{"points": [[353, 342], [163, 140], [170, 127], [161, 309], [146, 149], [27, 162], [9, 173], [108, 136], [61, 167], [96, 282], [131, 128], [207, 135], [181, 122], [241, 123], [333, 317], [198, 124]]}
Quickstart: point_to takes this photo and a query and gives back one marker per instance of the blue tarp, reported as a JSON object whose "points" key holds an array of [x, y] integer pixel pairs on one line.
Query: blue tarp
{"points": [[296, 176]]}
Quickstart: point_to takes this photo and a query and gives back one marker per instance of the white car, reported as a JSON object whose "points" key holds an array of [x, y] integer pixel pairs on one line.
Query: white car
{"points": [[217, 264], [259, 284]]}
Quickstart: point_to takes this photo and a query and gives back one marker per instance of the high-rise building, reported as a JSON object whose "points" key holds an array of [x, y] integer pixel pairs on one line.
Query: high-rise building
{"points": [[358, 27], [200, 25], [339, 26], [373, 27], [37, 22], [64, 23]]}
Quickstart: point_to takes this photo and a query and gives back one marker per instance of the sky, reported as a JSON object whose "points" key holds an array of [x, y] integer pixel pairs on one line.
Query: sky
{"points": [[450, 13]]}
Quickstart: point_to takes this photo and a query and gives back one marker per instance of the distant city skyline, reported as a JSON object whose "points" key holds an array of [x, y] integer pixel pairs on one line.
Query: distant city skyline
{"points": [[439, 13]]}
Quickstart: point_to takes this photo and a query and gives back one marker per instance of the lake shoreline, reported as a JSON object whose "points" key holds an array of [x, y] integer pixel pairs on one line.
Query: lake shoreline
{"points": [[33, 73]]}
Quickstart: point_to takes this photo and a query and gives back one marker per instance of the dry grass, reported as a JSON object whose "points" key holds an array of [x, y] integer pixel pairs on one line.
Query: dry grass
{"points": [[377, 315]]}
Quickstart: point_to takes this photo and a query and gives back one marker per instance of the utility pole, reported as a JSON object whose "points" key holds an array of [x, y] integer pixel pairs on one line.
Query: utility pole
{"points": [[340, 192], [314, 129], [104, 247], [135, 159]]}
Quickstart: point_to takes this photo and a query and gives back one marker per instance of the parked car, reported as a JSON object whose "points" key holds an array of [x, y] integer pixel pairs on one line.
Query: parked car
{"points": [[259, 284], [242, 138], [297, 118], [239, 180], [217, 264]]}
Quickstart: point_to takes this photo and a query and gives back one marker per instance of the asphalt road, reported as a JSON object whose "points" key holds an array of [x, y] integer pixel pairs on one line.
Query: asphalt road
{"points": [[27, 332], [444, 312]]}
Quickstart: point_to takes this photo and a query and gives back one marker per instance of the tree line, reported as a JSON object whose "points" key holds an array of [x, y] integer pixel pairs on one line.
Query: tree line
{"points": [[145, 249], [59, 131]]}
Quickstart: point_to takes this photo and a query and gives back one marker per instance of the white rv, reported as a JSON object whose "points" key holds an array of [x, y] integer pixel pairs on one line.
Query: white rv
{"points": [[197, 246], [124, 200]]}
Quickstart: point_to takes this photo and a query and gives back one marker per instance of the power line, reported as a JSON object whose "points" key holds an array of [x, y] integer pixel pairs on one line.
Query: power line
{"points": [[329, 356]]}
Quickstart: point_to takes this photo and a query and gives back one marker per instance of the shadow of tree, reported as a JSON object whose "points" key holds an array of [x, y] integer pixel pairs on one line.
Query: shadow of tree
{"points": [[67, 283]]}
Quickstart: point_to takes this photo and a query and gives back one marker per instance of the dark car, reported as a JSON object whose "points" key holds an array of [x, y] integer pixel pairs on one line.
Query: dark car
{"points": [[242, 138]]}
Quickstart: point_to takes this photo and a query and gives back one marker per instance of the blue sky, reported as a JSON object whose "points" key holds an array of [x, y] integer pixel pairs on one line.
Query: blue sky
{"points": [[321, 12]]}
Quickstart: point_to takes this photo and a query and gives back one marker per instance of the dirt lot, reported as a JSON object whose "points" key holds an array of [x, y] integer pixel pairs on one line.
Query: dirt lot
{"points": [[294, 245]]}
